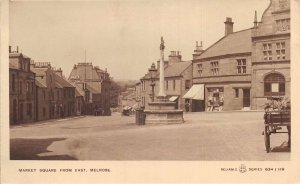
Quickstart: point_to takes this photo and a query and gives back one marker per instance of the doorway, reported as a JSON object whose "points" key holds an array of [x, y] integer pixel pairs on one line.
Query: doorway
{"points": [[246, 97]]}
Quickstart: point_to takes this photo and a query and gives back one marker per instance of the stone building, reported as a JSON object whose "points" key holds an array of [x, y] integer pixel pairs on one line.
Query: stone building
{"points": [[178, 80], [244, 68], [224, 69], [55, 95], [22, 90], [271, 54], [97, 81]]}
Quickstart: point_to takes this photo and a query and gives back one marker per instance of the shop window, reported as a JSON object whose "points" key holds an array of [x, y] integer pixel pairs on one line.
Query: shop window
{"points": [[274, 85], [241, 66], [214, 68]]}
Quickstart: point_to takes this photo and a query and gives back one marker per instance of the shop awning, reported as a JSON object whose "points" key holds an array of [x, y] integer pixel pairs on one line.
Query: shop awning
{"points": [[173, 98], [196, 92]]}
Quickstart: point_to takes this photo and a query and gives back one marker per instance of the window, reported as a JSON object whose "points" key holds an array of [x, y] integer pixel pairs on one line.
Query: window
{"points": [[283, 25], [214, 68], [199, 68], [267, 51], [44, 94], [274, 85], [280, 50], [21, 86], [187, 84], [241, 66], [236, 90], [32, 87], [174, 85], [27, 87], [167, 84], [13, 85]]}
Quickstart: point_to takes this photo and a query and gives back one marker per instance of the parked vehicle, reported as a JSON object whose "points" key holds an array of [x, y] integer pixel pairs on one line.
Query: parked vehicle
{"points": [[277, 115]]}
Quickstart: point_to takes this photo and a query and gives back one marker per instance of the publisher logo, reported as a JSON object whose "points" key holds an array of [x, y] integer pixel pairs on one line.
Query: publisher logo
{"points": [[242, 168]]}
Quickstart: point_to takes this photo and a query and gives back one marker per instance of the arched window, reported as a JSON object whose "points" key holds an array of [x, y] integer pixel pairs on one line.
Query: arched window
{"points": [[274, 85]]}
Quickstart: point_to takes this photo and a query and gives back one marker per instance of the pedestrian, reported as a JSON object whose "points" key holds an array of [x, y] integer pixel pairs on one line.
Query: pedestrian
{"points": [[187, 106]]}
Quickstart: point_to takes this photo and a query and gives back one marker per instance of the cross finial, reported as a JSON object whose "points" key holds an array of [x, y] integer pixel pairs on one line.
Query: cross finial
{"points": [[162, 43]]}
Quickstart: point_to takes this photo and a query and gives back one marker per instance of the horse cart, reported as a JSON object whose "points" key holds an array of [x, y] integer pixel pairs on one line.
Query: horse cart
{"points": [[274, 123]]}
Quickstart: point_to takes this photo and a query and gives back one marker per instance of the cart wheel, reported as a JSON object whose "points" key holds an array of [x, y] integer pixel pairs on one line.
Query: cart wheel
{"points": [[267, 139]]}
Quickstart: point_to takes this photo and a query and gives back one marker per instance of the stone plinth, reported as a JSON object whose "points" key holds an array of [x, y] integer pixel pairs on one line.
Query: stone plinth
{"points": [[163, 112]]}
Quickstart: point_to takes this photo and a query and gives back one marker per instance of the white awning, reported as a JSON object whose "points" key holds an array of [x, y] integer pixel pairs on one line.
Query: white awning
{"points": [[173, 98], [196, 92]]}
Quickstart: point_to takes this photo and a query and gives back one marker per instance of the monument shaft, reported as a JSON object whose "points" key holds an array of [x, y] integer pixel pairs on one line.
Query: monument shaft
{"points": [[161, 71]]}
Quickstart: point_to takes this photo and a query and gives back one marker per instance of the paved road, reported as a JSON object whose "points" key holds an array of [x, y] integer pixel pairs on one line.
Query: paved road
{"points": [[214, 136]]}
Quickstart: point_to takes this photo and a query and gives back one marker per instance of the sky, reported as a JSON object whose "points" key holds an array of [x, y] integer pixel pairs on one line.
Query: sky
{"points": [[122, 36]]}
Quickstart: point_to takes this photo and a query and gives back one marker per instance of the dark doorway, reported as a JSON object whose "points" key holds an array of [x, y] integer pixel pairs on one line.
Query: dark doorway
{"points": [[246, 97], [198, 106]]}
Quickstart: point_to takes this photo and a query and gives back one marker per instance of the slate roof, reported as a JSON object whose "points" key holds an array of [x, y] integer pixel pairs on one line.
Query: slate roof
{"points": [[16, 54], [91, 89], [172, 70], [39, 71], [236, 42], [40, 83], [176, 69], [61, 82], [84, 72]]}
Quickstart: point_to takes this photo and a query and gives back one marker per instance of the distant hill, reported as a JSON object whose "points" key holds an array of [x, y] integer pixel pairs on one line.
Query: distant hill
{"points": [[124, 84]]}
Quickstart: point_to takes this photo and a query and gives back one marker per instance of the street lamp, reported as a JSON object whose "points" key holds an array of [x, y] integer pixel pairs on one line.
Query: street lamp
{"points": [[152, 71]]}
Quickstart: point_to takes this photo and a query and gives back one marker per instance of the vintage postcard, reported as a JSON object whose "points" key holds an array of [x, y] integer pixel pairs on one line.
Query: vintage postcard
{"points": [[150, 91]]}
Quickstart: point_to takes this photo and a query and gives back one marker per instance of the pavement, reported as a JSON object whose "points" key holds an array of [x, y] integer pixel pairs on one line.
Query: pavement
{"points": [[205, 136]]}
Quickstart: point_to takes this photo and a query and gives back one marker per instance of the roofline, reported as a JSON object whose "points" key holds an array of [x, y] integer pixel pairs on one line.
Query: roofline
{"points": [[224, 55], [221, 40]]}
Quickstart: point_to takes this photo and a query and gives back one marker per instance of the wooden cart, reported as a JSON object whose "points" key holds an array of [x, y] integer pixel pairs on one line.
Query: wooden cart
{"points": [[274, 121]]}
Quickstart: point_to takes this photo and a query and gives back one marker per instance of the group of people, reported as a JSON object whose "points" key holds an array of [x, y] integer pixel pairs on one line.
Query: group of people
{"points": [[277, 103]]}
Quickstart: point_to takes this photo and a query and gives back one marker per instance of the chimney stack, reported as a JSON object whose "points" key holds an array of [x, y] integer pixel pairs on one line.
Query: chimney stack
{"points": [[17, 49], [199, 50], [228, 26], [59, 72], [9, 49], [174, 57]]}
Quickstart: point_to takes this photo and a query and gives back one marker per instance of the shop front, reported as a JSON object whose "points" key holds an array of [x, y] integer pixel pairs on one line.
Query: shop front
{"points": [[215, 99], [194, 99]]}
